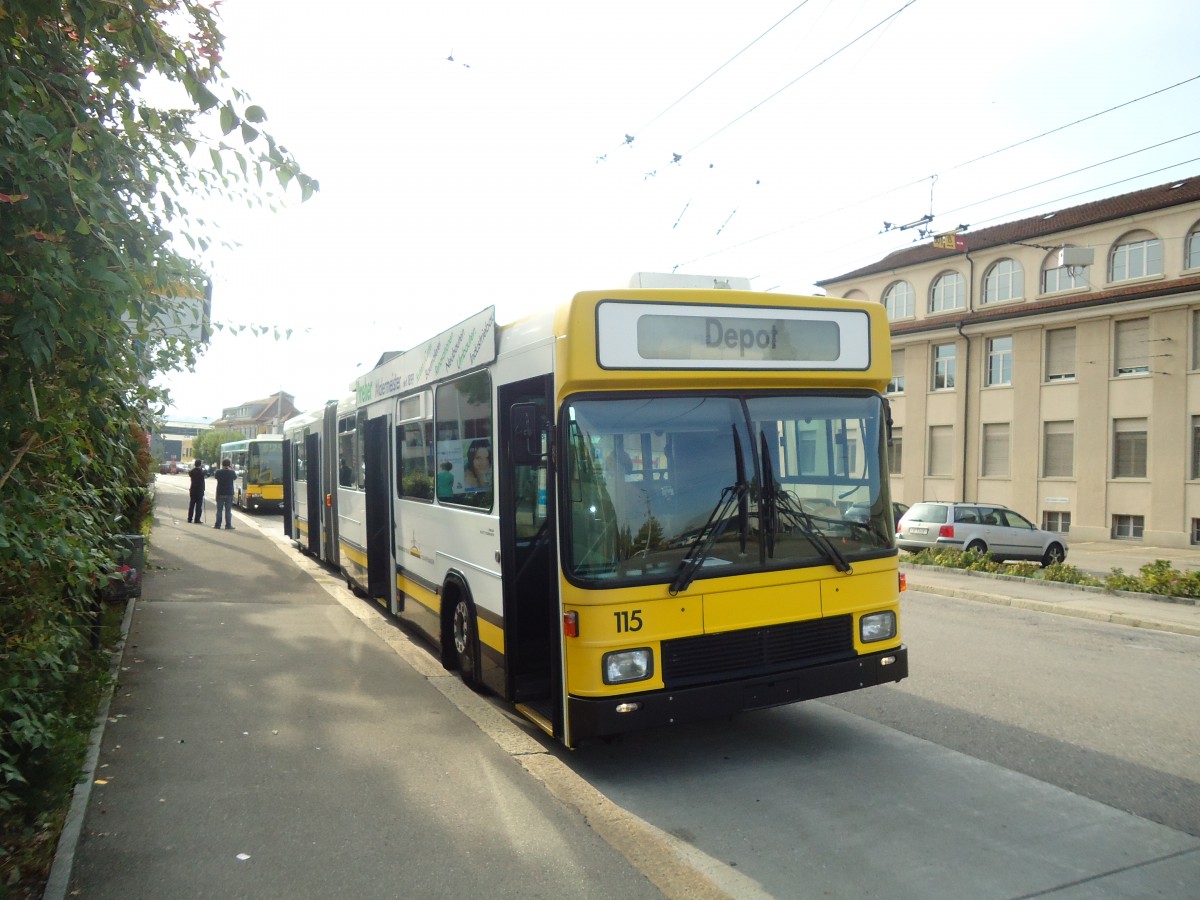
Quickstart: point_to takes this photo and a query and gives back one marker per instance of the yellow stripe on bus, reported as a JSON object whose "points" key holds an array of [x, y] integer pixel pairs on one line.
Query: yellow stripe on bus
{"points": [[489, 634]]}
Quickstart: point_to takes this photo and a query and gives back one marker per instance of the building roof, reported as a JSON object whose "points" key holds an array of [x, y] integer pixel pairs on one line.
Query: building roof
{"points": [[1173, 193]]}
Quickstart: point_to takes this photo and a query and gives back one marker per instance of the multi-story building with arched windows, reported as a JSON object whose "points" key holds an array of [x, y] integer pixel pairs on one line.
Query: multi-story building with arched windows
{"points": [[1065, 385]]}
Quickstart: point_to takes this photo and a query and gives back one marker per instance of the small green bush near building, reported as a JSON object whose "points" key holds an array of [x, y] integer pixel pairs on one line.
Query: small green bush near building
{"points": [[1158, 577]]}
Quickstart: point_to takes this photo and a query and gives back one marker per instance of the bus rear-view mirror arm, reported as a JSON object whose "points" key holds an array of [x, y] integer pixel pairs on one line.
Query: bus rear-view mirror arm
{"points": [[529, 434]]}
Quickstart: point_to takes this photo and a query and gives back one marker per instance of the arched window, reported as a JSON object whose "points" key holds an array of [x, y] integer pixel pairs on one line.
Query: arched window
{"points": [[1062, 278], [1137, 255], [1005, 280], [949, 292], [898, 301], [1191, 249]]}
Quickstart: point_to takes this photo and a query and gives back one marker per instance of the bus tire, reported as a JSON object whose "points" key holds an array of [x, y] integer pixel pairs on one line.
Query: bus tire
{"points": [[465, 637]]}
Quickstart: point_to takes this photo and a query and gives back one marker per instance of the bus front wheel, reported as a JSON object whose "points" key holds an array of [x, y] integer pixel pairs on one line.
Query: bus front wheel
{"points": [[466, 642]]}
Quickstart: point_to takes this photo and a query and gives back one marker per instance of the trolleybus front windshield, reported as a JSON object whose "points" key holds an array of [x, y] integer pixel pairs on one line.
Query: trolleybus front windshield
{"points": [[668, 489], [265, 465]]}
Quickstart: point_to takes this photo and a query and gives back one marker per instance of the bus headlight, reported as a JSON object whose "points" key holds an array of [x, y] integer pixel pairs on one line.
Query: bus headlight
{"points": [[621, 666], [877, 627]]}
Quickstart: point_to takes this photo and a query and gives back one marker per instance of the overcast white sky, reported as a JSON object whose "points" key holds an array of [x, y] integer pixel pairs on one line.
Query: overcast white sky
{"points": [[503, 176]]}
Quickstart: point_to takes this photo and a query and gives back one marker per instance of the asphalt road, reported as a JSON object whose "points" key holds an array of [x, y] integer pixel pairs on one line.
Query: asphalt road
{"points": [[1104, 711]]}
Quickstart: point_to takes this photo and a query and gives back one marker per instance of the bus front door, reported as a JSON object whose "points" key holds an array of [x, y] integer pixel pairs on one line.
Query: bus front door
{"points": [[532, 627]]}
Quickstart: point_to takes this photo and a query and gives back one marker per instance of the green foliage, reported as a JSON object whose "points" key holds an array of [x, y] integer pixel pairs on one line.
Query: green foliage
{"points": [[1158, 577], [95, 188], [207, 444]]}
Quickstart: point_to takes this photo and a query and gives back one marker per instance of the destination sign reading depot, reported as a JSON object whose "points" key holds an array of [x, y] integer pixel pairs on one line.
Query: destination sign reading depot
{"points": [[716, 337]]}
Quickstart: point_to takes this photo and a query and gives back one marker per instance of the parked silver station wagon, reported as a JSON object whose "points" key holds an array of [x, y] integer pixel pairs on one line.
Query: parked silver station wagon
{"points": [[985, 527]]}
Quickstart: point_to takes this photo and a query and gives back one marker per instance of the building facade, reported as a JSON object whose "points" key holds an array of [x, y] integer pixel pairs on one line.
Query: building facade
{"points": [[255, 417], [173, 440], [1052, 364]]}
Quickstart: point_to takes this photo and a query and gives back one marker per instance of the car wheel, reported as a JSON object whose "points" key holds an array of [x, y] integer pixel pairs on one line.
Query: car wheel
{"points": [[977, 547], [1054, 554]]}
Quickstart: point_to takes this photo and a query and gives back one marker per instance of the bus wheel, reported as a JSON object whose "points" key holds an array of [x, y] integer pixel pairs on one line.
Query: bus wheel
{"points": [[466, 642]]}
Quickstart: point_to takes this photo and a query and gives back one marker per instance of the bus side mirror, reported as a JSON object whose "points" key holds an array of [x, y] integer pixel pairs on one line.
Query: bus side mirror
{"points": [[528, 434]]}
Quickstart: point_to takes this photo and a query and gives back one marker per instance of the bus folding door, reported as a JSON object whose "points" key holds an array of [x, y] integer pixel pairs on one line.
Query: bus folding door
{"points": [[288, 469], [312, 449], [380, 568]]}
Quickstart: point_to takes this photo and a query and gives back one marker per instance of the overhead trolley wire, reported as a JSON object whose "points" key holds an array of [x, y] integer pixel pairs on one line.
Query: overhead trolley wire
{"points": [[629, 138], [1076, 122], [1104, 162], [961, 165], [805, 74], [1102, 187]]}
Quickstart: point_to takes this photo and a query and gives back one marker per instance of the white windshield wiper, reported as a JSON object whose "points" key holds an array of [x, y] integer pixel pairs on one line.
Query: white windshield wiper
{"points": [[776, 502]]}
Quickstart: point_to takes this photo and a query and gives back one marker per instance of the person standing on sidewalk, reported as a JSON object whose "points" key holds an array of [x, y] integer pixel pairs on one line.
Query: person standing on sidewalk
{"points": [[226, 478], [196, 493]]}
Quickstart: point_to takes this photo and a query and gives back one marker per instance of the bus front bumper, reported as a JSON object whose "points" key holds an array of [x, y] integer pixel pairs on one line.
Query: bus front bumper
{"points": [[602, 717]]}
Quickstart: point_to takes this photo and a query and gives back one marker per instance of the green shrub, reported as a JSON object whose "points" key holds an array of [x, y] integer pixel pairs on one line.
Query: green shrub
{"points": [[1158, 577]]}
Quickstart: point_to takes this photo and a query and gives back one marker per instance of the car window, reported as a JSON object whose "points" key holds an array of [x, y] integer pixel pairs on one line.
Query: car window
{"points": [[1016, 520], [926, 512], [991, 517], [965, 515]]}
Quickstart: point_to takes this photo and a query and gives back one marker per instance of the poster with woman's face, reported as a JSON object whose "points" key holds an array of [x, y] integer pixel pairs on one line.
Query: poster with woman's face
{"points": [[477, 465], [464, 466]]}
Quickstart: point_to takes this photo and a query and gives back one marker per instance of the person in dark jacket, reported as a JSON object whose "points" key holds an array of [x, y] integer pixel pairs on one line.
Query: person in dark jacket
{"points": [[196, 493], [226, 479]]}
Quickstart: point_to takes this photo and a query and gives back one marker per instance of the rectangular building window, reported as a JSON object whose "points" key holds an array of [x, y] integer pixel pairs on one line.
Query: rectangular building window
{"points": [[1128, 528], [1196, 338], [1060, 354], [1131, 347], [896, 385], [1195, 447], [896, 451], [1196, 531], [941, 450], [999, 360], [943, 367], [995, 450], [1058, 449], [1129, 448], [1056, 521]]}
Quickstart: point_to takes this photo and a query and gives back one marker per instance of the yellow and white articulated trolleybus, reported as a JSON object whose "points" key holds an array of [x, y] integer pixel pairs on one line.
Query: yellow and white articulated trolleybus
{"points": [[643, 507], [258, 462]]}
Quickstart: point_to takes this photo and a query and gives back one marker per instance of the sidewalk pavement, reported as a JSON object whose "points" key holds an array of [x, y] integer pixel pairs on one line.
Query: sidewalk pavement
{"points": [[272, 735]]}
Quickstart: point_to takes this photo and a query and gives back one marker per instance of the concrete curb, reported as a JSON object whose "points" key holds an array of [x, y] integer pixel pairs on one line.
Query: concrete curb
{"points": [[68, 840], [1063, 585], [1080, 609]]}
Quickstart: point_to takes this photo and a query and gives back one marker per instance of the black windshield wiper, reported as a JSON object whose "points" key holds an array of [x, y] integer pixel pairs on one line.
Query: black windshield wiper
{"points": [[708, 535], [779, 502], [744, 495]]}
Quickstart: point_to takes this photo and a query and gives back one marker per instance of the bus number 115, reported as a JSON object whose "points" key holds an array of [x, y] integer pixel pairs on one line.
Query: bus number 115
{"points": [[628, 620]]}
